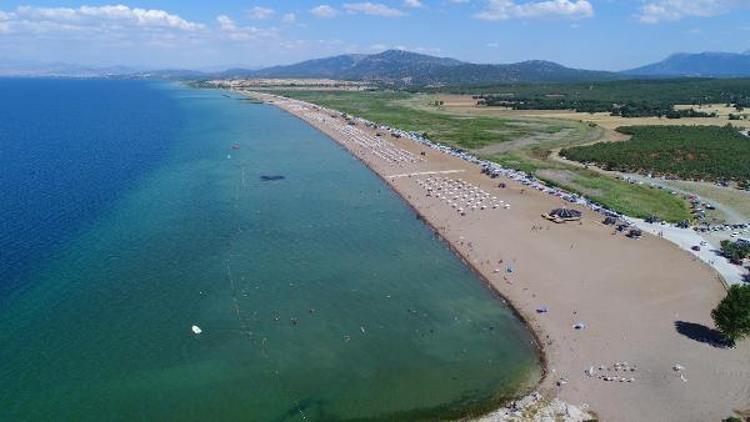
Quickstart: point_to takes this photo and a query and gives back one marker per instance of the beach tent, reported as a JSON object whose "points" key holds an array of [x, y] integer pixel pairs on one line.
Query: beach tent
{"points": [[561, 215], [566, 213]]}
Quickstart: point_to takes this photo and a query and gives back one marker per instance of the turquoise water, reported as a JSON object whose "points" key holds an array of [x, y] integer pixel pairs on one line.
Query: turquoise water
{"points": [[320, 295]]}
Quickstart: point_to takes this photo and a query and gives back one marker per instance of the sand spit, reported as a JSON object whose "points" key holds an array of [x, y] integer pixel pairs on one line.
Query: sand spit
{"points": [[624, 324]]}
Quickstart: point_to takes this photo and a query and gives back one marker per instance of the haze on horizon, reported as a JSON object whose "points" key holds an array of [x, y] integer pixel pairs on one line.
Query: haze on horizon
{"points": [[591, 34]]}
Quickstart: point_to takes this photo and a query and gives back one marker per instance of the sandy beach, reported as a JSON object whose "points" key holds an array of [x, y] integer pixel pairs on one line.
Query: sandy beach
{"points": [[642, 307]]}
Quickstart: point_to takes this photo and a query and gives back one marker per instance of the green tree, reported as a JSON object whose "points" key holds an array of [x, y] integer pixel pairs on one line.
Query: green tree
{"points": [[732, 315], [735, 252]]}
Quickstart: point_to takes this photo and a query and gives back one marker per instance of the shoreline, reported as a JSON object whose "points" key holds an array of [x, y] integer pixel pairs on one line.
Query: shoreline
{"points": [[557, 349], [529, 388], [541, 356]]}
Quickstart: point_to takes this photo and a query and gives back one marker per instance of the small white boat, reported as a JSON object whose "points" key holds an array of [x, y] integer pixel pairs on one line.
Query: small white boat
{"points": [[196, 329]]}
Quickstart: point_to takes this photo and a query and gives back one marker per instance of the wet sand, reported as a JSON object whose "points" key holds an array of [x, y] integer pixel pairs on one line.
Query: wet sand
{"points": [[644, 302]]}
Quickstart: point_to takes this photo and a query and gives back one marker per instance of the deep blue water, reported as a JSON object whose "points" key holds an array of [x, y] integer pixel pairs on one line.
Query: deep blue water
{"points": [[127, 217], [68, 150]]}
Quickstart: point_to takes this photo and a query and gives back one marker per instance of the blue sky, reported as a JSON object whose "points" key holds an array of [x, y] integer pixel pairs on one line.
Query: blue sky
{"points": [[208, 34]]}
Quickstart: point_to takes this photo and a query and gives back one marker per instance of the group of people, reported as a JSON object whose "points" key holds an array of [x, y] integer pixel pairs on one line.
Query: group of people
{"points": [[619, 372]]}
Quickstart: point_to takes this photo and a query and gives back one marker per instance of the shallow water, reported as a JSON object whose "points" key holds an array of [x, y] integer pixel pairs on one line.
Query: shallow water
{"points": [[320, 295]]}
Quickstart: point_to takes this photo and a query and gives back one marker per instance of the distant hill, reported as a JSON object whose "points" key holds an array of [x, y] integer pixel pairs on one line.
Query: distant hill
{"points": [[325, 68], [58, 70], [392, 65], [527, 71], [708, 64], [166, 74], [403, 67]]}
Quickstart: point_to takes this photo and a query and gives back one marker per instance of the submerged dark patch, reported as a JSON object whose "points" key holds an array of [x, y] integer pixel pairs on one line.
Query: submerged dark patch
{"points": [[272, 178]]}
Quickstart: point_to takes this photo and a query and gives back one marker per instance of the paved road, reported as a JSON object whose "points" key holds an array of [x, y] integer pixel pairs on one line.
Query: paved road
{"points": [[687, 238]]}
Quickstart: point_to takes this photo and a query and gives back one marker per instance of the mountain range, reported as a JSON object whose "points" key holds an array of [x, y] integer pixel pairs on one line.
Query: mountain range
{"points": [[403, 68], [708, 64]]}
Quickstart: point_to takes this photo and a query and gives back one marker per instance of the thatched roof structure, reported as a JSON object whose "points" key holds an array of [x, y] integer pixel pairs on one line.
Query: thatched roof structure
{"points": [[565, 213]]}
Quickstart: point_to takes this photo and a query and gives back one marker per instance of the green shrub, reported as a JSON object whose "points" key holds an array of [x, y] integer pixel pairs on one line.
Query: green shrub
{"points": [[732, 315], [735, 252]]}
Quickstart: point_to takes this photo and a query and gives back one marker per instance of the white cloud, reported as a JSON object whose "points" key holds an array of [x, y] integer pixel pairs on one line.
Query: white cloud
{"points": [[226, 23], [122, 25], [148, 38], [378, 47], [375, 9], [498, 10], [289, 18], [231, 30], [88, 16], [413, 4], [428, 50], [259, 12], [324, 11], [4, 26], [674, 10]]}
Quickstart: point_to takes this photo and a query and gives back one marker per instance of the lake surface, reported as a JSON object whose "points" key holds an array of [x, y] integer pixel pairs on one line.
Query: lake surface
{"points": [[129, 215]]}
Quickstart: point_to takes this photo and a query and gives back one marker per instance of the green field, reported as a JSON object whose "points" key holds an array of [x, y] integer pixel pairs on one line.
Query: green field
{"points": [[539, 137], [687, 152], [623, 197], [629, 199], [389, 108]]}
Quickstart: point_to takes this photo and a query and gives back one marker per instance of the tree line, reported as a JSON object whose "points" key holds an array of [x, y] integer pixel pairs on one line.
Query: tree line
{"points": [[689, 152], [634, 109]]}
